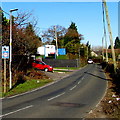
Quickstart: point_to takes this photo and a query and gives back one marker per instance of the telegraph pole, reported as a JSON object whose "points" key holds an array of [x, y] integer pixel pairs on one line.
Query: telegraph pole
{"points": [[105, 37], [110, 35], [56, 41], [103, 48]]}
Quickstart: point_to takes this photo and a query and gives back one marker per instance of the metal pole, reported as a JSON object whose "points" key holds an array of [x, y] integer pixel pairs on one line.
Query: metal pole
{"points": [[5, 76], [10, 64], [110, 35]]}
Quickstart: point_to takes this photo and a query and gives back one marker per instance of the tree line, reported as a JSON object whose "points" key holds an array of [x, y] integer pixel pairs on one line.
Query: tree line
{"points": [[25, 40], [116, 44]]}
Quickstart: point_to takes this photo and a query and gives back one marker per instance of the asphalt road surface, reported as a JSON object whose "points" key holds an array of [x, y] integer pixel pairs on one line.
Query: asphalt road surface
{"points": [[70, 97]]}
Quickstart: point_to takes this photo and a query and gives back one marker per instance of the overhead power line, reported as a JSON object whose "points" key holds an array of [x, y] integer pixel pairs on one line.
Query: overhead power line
{"points": [[4, 11]]}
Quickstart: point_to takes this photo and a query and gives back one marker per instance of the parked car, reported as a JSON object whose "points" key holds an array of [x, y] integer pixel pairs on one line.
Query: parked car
{"points": [[90, 61], [42, 66]]}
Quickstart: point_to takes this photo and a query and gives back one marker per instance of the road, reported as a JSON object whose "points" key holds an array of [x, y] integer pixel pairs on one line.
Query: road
{"points": [[70, 97]]}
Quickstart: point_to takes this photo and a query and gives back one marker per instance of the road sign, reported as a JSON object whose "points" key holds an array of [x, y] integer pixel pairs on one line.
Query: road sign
{"points": [[62, 51], [5, 52]]}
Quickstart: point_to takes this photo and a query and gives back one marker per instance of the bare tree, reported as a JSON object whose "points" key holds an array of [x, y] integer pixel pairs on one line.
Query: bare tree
{"points": [[48, 36], [22, 19], [22, 42]]}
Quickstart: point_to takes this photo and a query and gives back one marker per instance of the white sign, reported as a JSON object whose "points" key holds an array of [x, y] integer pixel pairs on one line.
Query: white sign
{"points": [[5, 52], [46, 50]]}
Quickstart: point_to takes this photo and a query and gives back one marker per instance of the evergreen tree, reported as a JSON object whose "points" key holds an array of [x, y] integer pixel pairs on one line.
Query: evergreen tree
{"points": [[88, 49], [117, 43], [72, 41], [109, 47], [73, 26], [72, 34]]}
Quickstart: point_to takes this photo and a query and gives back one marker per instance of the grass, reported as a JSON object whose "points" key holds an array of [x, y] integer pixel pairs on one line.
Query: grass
{"points": [[67, 68], [58, 57], [62, 57], [26, 86]]}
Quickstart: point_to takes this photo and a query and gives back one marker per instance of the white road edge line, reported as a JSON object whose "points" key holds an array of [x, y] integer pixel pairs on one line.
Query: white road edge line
{"points": [[31, 90], [35, 89], [56, 96], [16, 111], [73, 87]]}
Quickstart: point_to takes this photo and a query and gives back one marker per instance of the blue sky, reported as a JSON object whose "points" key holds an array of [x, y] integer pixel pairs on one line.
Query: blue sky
{"points": [[86, 15]]}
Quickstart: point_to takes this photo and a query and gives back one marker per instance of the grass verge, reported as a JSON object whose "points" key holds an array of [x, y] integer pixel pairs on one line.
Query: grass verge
{"points": [[26, 86]]}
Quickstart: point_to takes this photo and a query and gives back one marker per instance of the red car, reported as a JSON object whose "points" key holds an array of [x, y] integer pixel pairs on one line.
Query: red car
{"points": [[42, 66]]}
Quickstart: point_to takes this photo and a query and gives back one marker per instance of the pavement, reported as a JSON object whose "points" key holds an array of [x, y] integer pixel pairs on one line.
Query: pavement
{"points": [[59, 75]]}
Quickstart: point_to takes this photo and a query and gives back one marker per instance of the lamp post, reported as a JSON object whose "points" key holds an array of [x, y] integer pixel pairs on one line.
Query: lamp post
{"points": [[12, 10]]}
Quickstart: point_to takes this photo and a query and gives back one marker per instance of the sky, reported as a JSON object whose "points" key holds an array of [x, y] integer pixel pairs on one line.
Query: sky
{"points": [[86, 15]]}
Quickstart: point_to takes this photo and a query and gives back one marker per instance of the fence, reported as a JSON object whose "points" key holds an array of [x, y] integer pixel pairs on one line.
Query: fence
{"points": [[62, 63]]}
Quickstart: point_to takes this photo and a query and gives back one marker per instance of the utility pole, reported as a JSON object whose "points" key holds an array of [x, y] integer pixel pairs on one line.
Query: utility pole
{"points": [[56, 41], [106, 49], [110, 35], [104, 37], [103, 48], [106, 52]]}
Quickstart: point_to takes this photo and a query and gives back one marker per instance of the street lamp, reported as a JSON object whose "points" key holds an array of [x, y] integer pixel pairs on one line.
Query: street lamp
{"points": [[12, 10]]}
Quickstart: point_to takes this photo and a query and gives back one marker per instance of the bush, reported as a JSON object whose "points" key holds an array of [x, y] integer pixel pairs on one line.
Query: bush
{"points": [[18, 78]]}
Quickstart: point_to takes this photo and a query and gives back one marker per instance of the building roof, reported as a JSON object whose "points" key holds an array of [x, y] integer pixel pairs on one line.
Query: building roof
{"points": [[110, 51]]}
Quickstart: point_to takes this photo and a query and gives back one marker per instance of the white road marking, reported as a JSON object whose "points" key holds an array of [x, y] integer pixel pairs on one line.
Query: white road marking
{"points": [[56, 96], [73, 87], [82, 78], [32, 90], [16, 111], [79, 82]]}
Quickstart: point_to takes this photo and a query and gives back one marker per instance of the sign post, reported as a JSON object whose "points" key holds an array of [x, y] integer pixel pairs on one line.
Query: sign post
{"points": [[5, 55], [5, 82]]}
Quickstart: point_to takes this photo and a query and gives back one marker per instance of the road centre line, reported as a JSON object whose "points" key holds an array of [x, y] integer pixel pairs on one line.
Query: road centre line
{"points": [[82, 78], [56, 96], [16, 111], [73, 87], [79, 82]]}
